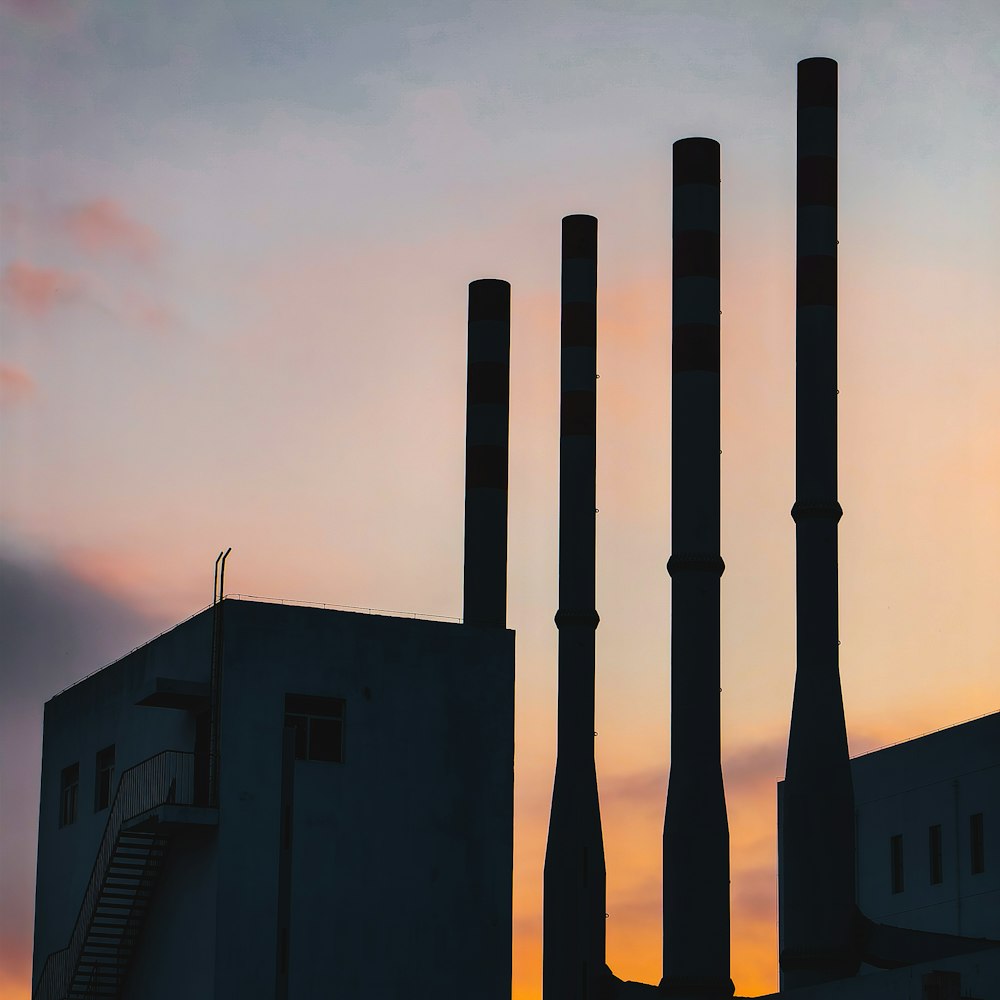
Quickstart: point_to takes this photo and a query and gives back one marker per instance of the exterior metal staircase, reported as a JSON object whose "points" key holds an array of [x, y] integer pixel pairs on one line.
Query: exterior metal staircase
{"points": [[152, 800], [118, 918]]}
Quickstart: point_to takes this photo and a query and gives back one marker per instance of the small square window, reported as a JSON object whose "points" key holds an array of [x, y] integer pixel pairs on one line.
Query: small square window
{"points": [[325, 739], [105, 783], [69, 786], [318, 722]]}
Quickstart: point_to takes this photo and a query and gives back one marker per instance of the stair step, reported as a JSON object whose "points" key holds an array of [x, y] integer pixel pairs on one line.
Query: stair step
{"points": [[116, 923], [107, 964], [118, 907]]}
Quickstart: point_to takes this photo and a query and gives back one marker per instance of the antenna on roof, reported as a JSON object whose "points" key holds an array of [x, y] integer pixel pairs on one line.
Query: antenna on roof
{"points": [[222, 573], [218, 580]]}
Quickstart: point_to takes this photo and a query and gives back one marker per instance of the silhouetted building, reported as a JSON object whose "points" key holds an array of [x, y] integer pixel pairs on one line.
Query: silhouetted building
{"points": [[362, 840], [287, 801], [928, 817], [927, 813]]}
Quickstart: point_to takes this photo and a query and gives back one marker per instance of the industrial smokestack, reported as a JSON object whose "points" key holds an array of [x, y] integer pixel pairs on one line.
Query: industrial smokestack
{"points": [[487, 409], [816, 812], [573, 957], [695, 829]]}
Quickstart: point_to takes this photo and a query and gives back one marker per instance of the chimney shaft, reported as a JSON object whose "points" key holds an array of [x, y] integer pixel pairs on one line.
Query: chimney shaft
{"points": [[816, 811], [573, 959], [695, 829], [487, 421]]}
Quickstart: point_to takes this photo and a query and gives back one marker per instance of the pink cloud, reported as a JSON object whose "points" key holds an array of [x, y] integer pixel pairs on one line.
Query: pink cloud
{"points": [[110, 571], [755, 894], [16, 386], [747, 770], [152, 316], [35, 291], [102, 226]]}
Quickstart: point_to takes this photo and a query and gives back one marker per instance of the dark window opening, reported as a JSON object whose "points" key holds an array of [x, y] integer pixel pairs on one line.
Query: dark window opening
{"points": [[287, 829], [325, 739], [977, 846], [940, 985], [896, 861], [319, 726], [69, 786], [105, 783], [934, 854], [300, 723]]}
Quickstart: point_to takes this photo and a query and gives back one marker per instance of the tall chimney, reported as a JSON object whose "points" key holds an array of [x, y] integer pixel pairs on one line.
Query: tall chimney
{"points": [[816, 813], [573, 957], [695, 829], [487, 408]]}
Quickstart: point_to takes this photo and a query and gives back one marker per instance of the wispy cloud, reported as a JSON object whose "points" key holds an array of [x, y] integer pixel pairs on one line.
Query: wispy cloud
{"points": [[16, 386], [749, 768], [755, 893], [745, 768], [102, 226], [36, 291], [147, 314]]}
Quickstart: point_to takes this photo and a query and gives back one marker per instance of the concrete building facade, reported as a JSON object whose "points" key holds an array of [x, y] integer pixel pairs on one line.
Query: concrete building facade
{"points": [[926, 816], [362, 839], [928, 813]]}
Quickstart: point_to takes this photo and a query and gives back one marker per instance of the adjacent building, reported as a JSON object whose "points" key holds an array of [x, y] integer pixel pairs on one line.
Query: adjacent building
{"points": [[360, 842], [927, 813], [928, 816]]}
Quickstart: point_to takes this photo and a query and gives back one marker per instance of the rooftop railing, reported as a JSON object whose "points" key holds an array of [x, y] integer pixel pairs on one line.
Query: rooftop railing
{"points": [[270, 600]]}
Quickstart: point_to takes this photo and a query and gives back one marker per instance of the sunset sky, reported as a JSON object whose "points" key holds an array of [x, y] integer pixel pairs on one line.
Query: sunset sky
{"points": [[235, 245]]}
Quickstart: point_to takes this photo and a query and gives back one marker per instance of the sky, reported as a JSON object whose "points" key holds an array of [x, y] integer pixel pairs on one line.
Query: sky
{"points": [[235, 243]]}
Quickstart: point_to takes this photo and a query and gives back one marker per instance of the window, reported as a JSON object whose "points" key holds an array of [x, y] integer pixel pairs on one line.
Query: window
{"points": [[69, 785], [319, 726], [896, 862], [976, 844], [104, 786], [934, 854]]}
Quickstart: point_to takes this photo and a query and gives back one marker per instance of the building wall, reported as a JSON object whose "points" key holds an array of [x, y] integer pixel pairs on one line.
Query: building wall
{"points": [[401, 854], [80, 722], [399, 880], [175, 956], [940, 779]]}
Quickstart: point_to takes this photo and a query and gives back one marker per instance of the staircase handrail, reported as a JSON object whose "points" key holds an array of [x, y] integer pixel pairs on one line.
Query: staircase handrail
{"points": [[166, 777]]}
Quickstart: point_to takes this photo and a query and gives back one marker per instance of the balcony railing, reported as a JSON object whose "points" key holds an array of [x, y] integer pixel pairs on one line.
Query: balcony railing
{"points": [[169, 777]]}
